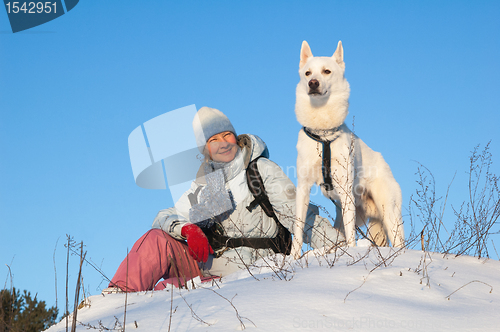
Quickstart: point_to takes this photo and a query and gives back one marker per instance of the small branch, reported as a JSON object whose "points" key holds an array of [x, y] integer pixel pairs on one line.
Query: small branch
{"points": [[470, 282], [77, 291], [171, 305], [232, 305], [126, 295], [67, 288], [55, 271], [101, 326], [193, 314], [493, 243], [355, 289]]}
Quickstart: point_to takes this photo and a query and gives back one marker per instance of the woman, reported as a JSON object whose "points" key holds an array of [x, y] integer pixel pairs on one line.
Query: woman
{"points": [[218, 204]]}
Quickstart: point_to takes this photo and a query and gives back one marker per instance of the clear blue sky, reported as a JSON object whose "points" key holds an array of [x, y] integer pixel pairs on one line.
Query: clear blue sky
{"points": [[424, 77]]}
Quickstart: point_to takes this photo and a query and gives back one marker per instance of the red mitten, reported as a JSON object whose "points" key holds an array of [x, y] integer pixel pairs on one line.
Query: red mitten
{"points": [[199, 248]]}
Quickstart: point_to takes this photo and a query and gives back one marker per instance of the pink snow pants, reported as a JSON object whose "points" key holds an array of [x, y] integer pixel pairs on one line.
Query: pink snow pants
{"points": [[154, 256]]}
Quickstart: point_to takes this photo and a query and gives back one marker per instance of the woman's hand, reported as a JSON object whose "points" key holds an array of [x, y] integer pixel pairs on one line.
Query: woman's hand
{"points": [[199, 248]]}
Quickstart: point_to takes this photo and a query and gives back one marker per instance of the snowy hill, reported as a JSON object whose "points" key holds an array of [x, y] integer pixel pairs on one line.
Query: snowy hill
{"points": [[359, 289]]}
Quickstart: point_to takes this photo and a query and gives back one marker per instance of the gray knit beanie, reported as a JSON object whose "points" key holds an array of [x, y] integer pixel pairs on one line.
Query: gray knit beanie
{"points": [[208, 122]]}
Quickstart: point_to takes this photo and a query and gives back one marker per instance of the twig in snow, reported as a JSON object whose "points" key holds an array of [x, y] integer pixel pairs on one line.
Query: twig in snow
{"points": [[101, 326], [171, 305], [126, 297], [470, 282], [236, 310], [355, 289], [193, 314]]}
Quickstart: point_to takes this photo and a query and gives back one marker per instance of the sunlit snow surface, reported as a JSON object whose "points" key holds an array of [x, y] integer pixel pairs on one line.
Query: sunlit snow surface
{"points": [[360, 289]]}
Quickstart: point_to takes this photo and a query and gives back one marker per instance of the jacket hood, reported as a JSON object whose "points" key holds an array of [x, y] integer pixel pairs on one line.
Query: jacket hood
{"points": [[253, 147]]}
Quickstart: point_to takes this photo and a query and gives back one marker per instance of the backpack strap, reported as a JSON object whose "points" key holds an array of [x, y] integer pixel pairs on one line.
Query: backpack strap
{"points": [[283, 239], [281, 243], [256, 186]]}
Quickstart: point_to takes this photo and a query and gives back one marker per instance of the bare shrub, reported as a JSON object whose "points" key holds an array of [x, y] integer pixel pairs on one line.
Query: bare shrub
{"points": [[476, 218], [430, 213]]}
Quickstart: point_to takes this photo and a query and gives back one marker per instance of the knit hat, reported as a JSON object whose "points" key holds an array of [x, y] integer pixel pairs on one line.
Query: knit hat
{"points": [[208, 122]]}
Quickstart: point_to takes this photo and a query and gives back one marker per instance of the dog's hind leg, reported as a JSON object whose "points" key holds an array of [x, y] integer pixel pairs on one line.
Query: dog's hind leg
{"points": [[376, 233], [393, 221], [387, 199], [395, 230]]}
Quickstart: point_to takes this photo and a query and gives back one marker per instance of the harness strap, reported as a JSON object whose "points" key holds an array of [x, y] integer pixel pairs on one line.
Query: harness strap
{"points": [[326, 168]]}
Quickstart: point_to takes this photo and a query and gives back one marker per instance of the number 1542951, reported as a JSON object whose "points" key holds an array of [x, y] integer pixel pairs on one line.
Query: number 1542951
{"points": [[30, 7]]}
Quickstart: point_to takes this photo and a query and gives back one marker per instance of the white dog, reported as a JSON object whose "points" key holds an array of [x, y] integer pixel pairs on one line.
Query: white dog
{"points": [[330, 155]]}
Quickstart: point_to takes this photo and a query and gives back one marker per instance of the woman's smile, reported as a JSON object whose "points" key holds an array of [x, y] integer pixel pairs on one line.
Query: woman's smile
{"points": [[222, 147]]}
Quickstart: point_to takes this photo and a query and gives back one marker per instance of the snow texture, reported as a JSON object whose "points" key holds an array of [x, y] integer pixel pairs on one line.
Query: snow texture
{"points": [[360, 289]]}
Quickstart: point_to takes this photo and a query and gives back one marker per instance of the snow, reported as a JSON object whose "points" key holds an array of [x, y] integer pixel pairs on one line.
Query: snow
{"points": [[361, 289]]}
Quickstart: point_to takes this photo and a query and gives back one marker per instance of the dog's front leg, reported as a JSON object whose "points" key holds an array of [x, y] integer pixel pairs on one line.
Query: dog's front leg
{"points": [[301, 206], [344, 176], [349, 218]]}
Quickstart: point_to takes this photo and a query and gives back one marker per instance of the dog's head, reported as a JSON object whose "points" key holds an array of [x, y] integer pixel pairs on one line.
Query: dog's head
{"points": [[321, 76], [323, 92]]}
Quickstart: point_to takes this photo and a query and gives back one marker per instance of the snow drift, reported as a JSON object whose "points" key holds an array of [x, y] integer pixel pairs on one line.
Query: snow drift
{"points": [[362, 288]]}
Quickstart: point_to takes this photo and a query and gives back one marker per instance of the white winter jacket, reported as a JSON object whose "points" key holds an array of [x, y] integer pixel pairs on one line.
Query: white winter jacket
{"points": [[240, 222]]}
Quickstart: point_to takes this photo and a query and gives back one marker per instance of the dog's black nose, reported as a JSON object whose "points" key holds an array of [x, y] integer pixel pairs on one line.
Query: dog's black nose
{"points": [[313, 84]]}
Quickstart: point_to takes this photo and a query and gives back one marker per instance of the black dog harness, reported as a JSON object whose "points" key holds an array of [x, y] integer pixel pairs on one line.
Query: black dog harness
{"points": [[326, 167], [326, 163]]}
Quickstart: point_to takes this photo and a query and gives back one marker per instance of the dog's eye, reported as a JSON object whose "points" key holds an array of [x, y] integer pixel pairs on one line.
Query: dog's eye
{"points": [[327, 71], [308, 73]]}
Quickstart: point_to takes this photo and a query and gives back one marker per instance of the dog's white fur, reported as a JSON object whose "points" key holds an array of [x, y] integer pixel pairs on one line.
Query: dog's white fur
{"points": [[363, 183]]}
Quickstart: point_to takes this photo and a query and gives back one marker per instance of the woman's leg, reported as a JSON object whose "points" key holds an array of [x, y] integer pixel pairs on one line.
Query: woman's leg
{"points": [[154, 256]]}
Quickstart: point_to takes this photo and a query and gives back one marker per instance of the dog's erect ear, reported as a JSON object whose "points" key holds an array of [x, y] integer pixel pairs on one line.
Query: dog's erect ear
{"points": [[305, 53], [339, 55]]}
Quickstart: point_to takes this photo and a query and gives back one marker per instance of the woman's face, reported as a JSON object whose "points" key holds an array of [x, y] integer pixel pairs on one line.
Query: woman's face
{"points": [[222, 147]]}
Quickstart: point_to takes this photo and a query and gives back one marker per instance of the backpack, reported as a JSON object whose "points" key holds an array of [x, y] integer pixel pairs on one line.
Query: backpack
{"points": [[281, 243]]}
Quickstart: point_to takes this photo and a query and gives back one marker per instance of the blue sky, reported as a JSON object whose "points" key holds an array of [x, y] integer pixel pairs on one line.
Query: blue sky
{"points": [[424, 88]]}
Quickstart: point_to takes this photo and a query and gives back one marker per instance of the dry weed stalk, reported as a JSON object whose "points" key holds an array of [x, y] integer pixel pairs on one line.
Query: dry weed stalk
{"points": [[475, 219], [171, 305], [193, 313], [78, 286], [380, 261], [101, 327], [240, 318], [470, 282]]}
